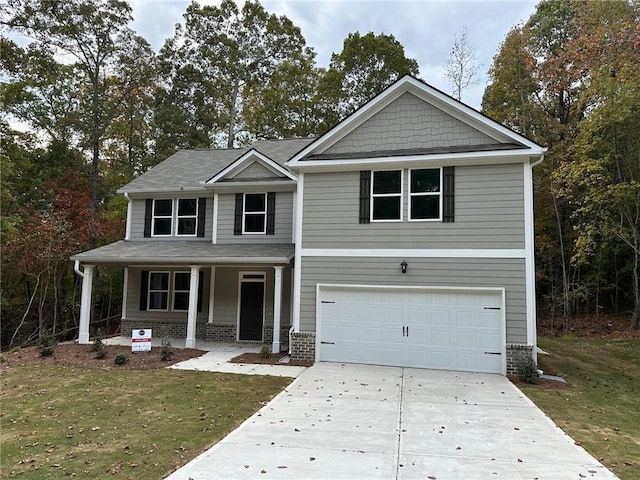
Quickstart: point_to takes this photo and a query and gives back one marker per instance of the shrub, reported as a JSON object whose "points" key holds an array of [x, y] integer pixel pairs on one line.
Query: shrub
{"points": [[121, 359], [265, 352], [167, 352], [526, 369], [3, 358], [97, 345], [47, 345]]}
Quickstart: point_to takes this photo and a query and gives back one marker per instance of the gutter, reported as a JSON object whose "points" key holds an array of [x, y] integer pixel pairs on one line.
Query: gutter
{"points": [[539, 161], [76, 268]]}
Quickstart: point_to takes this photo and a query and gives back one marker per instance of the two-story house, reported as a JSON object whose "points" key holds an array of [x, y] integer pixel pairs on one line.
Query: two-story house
{"points": [[402, 236]]}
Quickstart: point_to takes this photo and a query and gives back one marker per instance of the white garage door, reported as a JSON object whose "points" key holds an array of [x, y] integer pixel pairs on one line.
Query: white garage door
{"points": [[412, 327]]}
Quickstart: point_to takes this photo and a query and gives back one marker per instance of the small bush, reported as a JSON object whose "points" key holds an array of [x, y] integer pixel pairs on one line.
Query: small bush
{"points": [[47, 345], [3, 358], [526, 369], [121, 359], [265, 352], [97, 345], [167, 352]]}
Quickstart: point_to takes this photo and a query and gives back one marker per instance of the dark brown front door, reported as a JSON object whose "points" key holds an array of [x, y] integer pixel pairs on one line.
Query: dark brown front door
{"points": [[251, 305]]}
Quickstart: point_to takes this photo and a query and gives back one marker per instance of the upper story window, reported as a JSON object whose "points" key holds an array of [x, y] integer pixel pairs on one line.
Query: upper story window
{"points": [[425, 199], [184, 217], [255, 213], [386, 196], [158, 291]]}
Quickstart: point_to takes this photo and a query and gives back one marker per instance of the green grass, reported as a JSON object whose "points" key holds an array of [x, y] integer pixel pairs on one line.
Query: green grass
{"points": [[58, 422], [601, 407]]}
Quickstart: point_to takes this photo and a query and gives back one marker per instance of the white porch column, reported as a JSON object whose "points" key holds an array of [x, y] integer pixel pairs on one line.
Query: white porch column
{"points": [[277, 307], [85, 303], [212, 291], [193, 307]]}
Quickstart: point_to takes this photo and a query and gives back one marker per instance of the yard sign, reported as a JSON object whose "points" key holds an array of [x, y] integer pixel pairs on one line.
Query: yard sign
{"points": [[141, 340]]}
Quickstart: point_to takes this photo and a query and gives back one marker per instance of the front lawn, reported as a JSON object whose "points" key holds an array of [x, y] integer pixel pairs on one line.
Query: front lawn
{"points": [[62, 421], [600, 409]]}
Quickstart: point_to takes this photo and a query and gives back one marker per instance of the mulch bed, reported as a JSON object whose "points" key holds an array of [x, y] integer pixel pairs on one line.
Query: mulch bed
{"points": [[273, 359], [76, 355]]}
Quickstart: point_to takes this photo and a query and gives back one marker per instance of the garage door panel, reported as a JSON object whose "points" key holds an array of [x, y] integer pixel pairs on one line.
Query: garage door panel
{"points": [[414, 328]]}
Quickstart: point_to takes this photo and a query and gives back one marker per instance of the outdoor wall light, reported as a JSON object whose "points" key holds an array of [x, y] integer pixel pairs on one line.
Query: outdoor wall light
{"points": [[403, 265]]}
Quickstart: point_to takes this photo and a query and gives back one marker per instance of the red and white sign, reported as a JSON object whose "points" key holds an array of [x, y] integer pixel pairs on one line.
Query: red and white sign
{"points": [[141, 340]]}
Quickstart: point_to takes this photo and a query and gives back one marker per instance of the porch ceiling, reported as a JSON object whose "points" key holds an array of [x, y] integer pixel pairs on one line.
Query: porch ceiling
{"points": [[185, 252]]}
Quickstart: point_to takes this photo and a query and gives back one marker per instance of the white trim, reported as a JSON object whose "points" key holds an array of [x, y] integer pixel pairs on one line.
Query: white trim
{"points": [[277, 307], [297, 265], [85, 303], [501, 290], [294, 218], [154, 262], [530, 275], [127, 231], [125, 292], [178, 217], [212, 292], [410, 195], [241, 280], [154, 216], [245, 213], [373, 196], [245, 161], [168, 290], [412, 252], [192, 315], [173, 290], [214, 227]]}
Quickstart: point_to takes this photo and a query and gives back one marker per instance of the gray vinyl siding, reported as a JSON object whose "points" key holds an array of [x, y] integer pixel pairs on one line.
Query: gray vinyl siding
{"points": [[225, 310], [409, 122], [283, 221], [137, 220], [255, 170], [459, 272], [489, 213], [133, 296]]}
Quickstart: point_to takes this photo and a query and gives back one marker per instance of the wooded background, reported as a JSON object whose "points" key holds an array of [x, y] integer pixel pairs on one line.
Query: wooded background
{"points": [[102, 108]]}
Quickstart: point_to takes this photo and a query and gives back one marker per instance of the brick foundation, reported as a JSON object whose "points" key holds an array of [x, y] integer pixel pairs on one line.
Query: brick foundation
{"points": [[161, 328], [220, 332], [303, 346], [267, 333], [515, 351]]}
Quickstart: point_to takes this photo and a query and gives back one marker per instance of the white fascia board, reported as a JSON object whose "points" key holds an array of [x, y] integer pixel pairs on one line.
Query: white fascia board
{"points": [[244, 161], [357, 286], [414, 252], [437, 160], [530, 274], [160, 261], [254, 186], [162, 192]]}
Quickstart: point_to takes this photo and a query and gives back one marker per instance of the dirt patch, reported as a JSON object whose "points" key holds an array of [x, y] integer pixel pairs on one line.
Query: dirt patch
{"points": [[81, 356], [589, 326], [273, 359]]}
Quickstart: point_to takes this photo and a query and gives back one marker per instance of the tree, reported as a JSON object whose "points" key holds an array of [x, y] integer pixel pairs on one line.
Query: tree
{"points": [[366, 65], [462, 66], [219, 57]]}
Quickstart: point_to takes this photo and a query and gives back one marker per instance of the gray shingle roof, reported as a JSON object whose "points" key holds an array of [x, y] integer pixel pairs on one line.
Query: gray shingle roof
{"points": [[185, 169], [185, 252]]}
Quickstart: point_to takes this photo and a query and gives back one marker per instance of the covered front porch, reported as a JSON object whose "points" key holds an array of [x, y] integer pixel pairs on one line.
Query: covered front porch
{"points": [[197, 290]]}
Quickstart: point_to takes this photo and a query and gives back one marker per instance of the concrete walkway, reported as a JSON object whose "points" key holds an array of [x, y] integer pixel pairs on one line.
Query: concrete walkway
{"points": [[367, 422], [217, 358]]}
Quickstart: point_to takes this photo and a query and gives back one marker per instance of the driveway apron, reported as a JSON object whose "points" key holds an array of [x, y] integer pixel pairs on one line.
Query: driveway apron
{"points": [[368, 422]]}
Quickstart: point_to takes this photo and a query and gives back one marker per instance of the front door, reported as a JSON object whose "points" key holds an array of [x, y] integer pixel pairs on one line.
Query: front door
{"points": [[251, 309]]}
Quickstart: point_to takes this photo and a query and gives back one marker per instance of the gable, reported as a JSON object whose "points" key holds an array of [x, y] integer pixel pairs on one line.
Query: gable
{"points": [[255, 171], [409, 123]]}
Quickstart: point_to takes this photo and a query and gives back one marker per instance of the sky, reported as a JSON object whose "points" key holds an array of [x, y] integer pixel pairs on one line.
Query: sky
{"points": [[426, 28]]}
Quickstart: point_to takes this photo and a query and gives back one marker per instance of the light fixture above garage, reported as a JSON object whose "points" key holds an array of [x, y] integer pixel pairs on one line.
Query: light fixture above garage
{"points": [[403, 266]]}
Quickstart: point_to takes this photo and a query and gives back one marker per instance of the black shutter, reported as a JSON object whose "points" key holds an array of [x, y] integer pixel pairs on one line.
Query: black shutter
{"points": [[148, 212], [365, 196], [271, 213], [237, 224], [144, 289], [200, 278], [202, 212], [448, 190]]}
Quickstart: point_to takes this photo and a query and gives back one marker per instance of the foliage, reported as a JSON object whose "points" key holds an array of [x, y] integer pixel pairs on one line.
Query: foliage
{"points": [[599, 408], [167, 352], [47, 345], [95, 427], [366, 65], [99, 348], [265, 352], [526, 369], [462, 66], [121, 359]]}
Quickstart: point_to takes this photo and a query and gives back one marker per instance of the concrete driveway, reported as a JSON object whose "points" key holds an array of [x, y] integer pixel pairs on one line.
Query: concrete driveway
{"points": [[366, 422]]}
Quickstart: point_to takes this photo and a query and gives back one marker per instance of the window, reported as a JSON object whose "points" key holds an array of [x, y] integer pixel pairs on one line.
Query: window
{"points": [[425, 194], [386, 195], [158, 290], [254, 213], [162, 217], [187, 216], [181, 283]]}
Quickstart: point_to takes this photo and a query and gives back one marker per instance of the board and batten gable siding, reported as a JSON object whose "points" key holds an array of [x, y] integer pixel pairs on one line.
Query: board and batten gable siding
{"points": [[283, 221], [133, 296], [409, 122], [137, 219], [440, 272], [489, 213]]}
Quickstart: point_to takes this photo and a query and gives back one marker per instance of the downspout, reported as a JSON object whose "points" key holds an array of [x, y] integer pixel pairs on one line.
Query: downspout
{"points": [[127, 232], [76, 268], [290, 334]]}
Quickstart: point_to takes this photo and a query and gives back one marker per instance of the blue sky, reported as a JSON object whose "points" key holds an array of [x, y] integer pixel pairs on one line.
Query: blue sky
{"points": [[426, 28]]}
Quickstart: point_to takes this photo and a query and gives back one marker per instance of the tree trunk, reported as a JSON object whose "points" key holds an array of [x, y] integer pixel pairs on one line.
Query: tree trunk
{"points": [[635, 317]]}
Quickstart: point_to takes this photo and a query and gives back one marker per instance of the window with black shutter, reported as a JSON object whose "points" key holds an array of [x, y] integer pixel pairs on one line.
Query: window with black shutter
{"points": [[365, 199], [271, 213], [448, 194]]}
